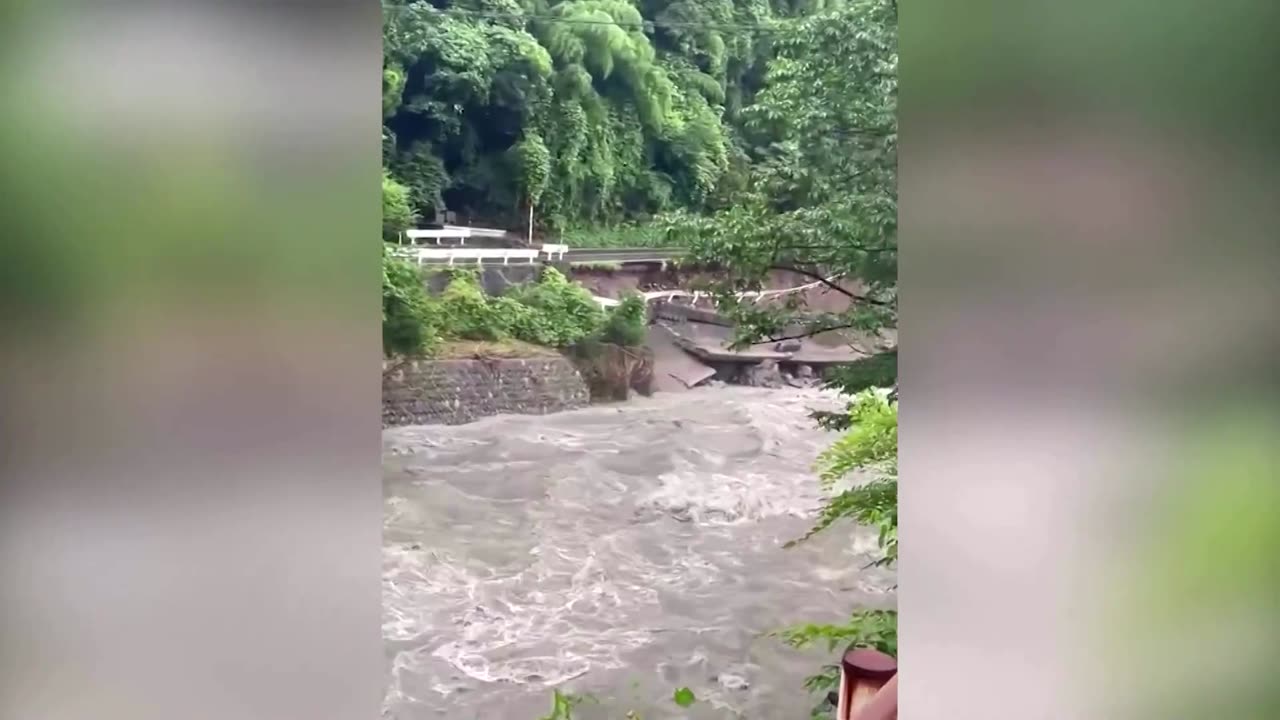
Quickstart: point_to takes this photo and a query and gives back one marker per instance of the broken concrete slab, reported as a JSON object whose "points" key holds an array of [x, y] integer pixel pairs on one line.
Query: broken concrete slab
{"points": [[674, 370]]}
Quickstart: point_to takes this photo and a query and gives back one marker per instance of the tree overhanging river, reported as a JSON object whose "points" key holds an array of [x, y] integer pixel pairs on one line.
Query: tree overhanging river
{"points": [[621, 551]]}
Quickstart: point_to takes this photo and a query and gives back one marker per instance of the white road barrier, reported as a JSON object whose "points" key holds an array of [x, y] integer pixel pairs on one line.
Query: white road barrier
{"points": [[452, 232], [437, 236], [551, 250]]}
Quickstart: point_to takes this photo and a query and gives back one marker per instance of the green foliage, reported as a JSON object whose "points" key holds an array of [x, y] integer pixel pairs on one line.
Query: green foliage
{"points": [[561, 313], [627, 322], [879, 370], [876, 629], [874, 504], [644, 107], [591, 115], [397, 215], [408, 326], [869, 443], [393, 79], [424, 175], [465, 313], [562, 705], [552, 312], [821, 197], [684, 697], [627, 236], [533, 163]]}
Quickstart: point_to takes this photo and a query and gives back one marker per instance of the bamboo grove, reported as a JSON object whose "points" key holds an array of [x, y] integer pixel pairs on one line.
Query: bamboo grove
{"points": [[594, 112]]}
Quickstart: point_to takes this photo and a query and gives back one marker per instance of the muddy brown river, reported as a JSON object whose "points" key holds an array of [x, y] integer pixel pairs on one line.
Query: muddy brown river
{"points": [[619, 551]]}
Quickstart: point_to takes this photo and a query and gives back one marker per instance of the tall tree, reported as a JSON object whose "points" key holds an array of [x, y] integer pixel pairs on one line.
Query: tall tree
{"points": [[594, 110], [823, 195]]}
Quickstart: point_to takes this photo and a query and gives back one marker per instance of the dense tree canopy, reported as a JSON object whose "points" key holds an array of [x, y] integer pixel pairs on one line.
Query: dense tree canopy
{"points": [[595, 111], [822, 197]]}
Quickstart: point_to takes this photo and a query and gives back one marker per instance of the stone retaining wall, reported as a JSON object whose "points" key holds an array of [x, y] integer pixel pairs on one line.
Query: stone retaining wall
{"points": [[452, 392]]}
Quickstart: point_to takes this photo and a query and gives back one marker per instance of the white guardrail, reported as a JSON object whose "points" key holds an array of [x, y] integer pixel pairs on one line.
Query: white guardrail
{"points": [[454, 255], [438, 236], [452, 232], [451, 256]]}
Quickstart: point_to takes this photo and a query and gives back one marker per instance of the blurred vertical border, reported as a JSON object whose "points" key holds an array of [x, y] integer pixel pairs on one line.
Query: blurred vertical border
{"points": [[190, 517], [1089, 511]]}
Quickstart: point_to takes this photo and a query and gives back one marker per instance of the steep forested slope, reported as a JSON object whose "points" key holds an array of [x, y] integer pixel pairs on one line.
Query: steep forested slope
{"points": [[594, 111]]}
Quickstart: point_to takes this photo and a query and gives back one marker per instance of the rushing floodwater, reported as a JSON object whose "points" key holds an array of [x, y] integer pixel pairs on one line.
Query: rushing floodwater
{"points": [[621, 551]]}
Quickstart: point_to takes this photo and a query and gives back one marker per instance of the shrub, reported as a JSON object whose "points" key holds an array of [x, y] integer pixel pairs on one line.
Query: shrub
{"points": [[869, 443], [397, 212], [879, 370], [521, 321], [552, 312], [465, 313], [407, 323], [627, 322], [564, 313]]}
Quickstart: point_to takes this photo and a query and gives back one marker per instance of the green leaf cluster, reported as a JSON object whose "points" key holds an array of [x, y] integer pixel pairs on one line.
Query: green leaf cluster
{"points": [[552, 312], [397, 212], [821, 194], [562, 705], [869, 444], [877, 629], [627, 324], [684, 697], [408, 325], [581, 107], [564, 702], [465, 313], [557, 313]]}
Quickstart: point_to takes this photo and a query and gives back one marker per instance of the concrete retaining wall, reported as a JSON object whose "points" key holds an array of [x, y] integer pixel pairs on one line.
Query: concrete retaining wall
{"points": [[495, 279], [452, 392]]}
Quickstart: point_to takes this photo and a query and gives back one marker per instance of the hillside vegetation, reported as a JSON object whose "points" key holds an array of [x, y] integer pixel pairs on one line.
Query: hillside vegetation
{"points": [[596, 112]]}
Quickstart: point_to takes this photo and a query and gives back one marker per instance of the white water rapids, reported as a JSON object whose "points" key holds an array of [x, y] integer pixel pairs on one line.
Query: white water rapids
{"points": [[620, 551]]}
